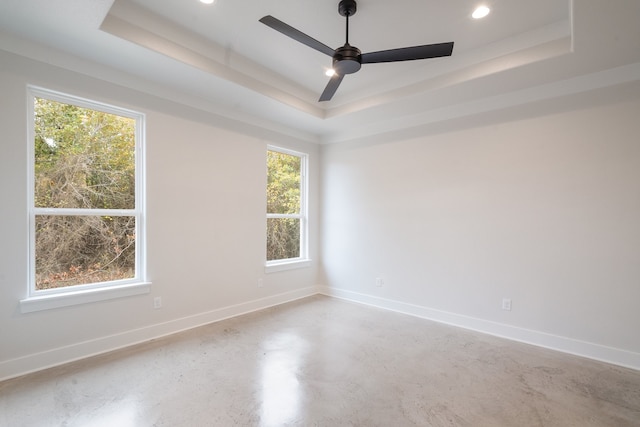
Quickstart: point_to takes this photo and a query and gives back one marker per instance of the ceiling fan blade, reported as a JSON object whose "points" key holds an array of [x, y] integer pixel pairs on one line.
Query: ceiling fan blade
{"points": [[331, 88], [409, 53], [297, 35]]}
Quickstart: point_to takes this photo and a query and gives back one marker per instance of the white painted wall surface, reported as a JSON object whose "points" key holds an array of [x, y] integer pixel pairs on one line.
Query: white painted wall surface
{"points": [[544, 211], [206, 179]]}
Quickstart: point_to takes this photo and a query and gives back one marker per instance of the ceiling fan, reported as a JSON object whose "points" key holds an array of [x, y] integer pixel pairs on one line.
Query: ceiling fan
{"points": [[348, 59]]}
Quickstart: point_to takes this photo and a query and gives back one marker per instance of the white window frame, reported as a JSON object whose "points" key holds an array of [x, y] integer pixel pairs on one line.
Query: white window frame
{"points": [[79, 294], [303, 260]]}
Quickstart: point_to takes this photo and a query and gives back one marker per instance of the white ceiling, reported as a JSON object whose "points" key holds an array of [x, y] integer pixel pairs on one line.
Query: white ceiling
{"points": [[220, 58]]}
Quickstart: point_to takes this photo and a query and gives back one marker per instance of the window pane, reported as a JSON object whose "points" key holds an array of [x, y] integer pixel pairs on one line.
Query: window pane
{"points": [[283, 238], [83, 158], [75, 250], [283, 183]]}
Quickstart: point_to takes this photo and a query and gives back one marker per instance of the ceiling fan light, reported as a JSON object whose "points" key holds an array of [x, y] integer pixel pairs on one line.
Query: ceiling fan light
{"points": [[480, 12], [330, 72]]}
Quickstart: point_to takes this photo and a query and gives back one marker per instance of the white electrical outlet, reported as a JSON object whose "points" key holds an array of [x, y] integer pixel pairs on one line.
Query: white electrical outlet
{"points": [[379, 282], [157, 302], [506, 304], [260, 283]]}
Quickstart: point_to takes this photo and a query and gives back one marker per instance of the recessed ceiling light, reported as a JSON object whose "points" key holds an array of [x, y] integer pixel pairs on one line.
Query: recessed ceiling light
{"points": [[206, 1], [480, 12]]}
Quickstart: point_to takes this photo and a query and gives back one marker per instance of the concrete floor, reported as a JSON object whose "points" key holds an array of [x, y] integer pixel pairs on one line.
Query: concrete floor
{"points": [[326, 362]]}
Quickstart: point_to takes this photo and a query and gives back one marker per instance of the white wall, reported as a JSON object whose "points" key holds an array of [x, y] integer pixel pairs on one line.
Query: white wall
{"points": [[206, 226], [545, 211]]}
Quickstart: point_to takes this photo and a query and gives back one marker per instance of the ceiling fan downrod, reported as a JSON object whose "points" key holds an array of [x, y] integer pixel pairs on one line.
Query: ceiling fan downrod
{"points": [[347, 8]]}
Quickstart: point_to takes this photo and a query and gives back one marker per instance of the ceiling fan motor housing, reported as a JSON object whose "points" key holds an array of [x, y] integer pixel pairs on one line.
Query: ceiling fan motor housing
{"points": [[347, 59]]}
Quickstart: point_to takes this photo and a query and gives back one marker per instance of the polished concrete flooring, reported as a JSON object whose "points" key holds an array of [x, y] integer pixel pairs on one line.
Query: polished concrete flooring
{"points": [[326, 362]]}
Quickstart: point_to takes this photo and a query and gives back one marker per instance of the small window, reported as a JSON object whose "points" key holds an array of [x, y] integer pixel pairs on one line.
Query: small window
{"points": [[86, 191], [286, 207]]}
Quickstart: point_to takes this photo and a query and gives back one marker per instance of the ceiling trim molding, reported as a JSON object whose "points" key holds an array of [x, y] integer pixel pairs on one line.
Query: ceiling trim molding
{"points": [[548, 50], [415, 124], [204, 55], [13, 51]]}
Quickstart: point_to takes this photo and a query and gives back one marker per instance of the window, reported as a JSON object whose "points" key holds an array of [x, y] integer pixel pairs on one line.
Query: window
{"points": [[286, 209], [86, 194]]}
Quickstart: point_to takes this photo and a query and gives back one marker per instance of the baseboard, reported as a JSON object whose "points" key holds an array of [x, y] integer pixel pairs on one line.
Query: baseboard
{"points": [[59, 356], [589, 350]]}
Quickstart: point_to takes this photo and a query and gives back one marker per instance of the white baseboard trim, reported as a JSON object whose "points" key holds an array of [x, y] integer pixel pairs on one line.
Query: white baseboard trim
{"points": [[39, 361], [58, 356], [589, 350]]}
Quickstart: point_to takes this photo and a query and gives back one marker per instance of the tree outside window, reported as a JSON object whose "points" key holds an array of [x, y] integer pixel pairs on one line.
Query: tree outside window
{"points": [[286, 208], [86, 215]]}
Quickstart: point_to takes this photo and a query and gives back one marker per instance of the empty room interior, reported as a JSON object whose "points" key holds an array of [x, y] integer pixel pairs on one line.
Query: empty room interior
{"points": [[279, 212]]}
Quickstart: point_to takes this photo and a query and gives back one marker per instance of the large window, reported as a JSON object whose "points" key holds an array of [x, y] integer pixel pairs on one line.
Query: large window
{"points": [[86, 215], [286, 207]]}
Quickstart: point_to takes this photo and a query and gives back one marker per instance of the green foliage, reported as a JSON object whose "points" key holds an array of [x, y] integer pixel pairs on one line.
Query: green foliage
{"points": [[83, 159], [283, 238], [283, 197], [283, 183], [75, 250]]}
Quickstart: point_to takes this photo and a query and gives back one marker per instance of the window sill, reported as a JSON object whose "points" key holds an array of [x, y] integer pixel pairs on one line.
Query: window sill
{"points": [[287, 265], [47, 302]]}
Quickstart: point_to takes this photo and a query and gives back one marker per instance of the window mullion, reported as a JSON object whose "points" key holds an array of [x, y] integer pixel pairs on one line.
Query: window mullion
{"points": [[295, 216], [78, 212]]}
